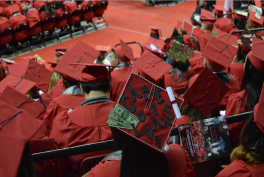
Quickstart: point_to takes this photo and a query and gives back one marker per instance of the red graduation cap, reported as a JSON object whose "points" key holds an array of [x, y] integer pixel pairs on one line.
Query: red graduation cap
{"points": [[241, 15], [18, 83], [124, 52], [207, 17], [224, 24], [144, 112], [259, 111], [21, 102], [230, 39], [188, 27], [60, 51], [245, 40], [219, 53], [68, 69], [82, 48], [31, 70], [11, 9], [205, 14], [256, 55], [255, 19], [219, 10], [155, 29], [155, 45], [205, 92], [53, 65], [103, 49]]}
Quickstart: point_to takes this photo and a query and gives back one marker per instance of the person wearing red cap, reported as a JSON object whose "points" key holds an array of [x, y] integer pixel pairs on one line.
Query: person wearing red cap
{"points": [[246, 99], [203, 4], [121, 56], [4, 24], [87, 123], [218, 11], [239, 22], [247, 158], [255, 21], [224, 24], [155, 32], [70, 5]]}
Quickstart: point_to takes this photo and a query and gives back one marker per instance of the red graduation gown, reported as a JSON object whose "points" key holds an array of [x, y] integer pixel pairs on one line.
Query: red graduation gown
{"points": [[4, 24], [70, 6], [118, 80], [57, 89], [203, 39], [8, 11], [60, 23], [63, 102], [33, 18], [38, 4], [238, 168], [237, 34], [224, 24], [84, 125], [177, 157], [196, 62], [14, 22], [237, 70], [89, 15], [179, 88]]}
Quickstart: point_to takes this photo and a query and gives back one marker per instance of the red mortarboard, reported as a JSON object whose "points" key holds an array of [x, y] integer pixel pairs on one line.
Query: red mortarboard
{"points": [[152, 66], [187, 27], [224, 24], [82, 48], [256, 55], [144, 111], [219, 53], [20, 84], [31, 70], [21, 102], [124, 52], [207, 17], [12, 149], [60, 51], [205, 14], [205, 92], [245, 40], [94, 72], [52, 65], [70, 71], [255, 19], [155, 45], [259, 111], [219, 10], [155, 29], [230, 39], [241, 15], [103, 49]]}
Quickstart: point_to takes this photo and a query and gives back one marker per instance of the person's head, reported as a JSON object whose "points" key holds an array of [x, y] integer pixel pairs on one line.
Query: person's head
{"points": [[25, 7], [251, 149], [114, 59], [90, 89], [216, 16], [207, 27], [68, 82], [209, 66], [48, 10], [53, 80], [138, 159], [239, 23], [203, 4]]}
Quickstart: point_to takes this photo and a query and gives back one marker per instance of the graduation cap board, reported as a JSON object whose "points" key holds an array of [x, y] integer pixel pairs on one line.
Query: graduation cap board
{"points": [[188, 27], [145, 112], [180, 52]]}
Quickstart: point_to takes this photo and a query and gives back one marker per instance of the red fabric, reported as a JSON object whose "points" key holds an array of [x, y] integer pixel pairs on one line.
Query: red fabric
{"points": [[11, 9], [70, 6], [238, 168], [183, 120], [3, 4], [203, 39], [57, 89], [47, 26], [88, 15], [33, 18], [234, 87], [118, 81], [177, 87], [237, 70], [4, 24], [61, 23], [86, 4], [180, 166], [260, 33], [39, 4], [15, 22], [196, 62], [62, 103], [224, 24], [82, 126], [235, 105], [233, 30]]}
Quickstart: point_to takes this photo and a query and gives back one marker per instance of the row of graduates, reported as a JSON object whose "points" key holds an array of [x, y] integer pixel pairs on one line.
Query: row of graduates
{"points": [[15, 13], [69, 113]]}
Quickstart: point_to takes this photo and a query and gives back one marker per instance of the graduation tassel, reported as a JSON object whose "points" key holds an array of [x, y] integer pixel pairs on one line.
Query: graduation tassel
{"points": [[40, 98], [25, 102], [9, 119]]}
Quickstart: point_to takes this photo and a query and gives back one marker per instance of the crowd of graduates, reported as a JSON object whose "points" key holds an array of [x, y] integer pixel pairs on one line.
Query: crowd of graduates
{"points": [[52, 105]]}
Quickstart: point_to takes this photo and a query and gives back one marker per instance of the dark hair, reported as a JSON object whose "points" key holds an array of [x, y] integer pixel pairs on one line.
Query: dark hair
{"points": [[26, 168], [48, 10], [67, 83], [138, 159], [103, 86], [251, 144], [239, 23], [252, 83], [2, 73], [241, 55], [156, 36], [180, 68]]}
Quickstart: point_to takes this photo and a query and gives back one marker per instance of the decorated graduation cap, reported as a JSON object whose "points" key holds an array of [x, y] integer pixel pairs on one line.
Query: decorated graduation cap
{"points": [[245, 40], [155, 45], [256, 55], [207, 17], [205, 92], [224, 24], [124, 52], [259, 112], [219, 53], [68, 65], [22, 102], [255, 19], [229, 38], [60, 51], [241, 15], [20, 84], [144, 111], [179, 52], [82, 48], [156, 30], [103, 49], [33, 71], [219, 10]]}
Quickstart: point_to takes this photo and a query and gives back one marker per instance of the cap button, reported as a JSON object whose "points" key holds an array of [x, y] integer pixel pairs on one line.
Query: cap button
{"points": [[206, 92], [146, 111], [152, 65]]}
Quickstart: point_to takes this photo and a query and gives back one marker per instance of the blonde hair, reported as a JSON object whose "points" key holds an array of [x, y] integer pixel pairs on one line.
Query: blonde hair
{"points": [[53, 80], [214, 34], [207, 27], [249, 157]]}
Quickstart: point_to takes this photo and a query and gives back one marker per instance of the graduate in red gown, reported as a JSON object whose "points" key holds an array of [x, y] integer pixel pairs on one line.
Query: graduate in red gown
{"points": [[144, 154], [4, 24], [10, 10], [15, 20], [70, 5], [196, 62], [246, 99], [87, 123], [255, 21], [221, 22], [121, 56], [251, 163], [239, 22]]}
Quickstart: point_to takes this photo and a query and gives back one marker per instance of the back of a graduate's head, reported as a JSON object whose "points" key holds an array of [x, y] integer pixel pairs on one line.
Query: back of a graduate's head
{"points": [[68, 83], [207, 27], [239, 23], [213, 69], [103, 86], [53, 80], [138, 159]]}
